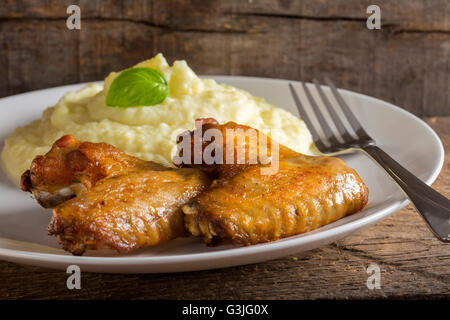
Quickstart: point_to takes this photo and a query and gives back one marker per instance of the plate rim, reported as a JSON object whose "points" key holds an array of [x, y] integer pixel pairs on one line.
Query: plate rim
{"points": [[285, 243]]}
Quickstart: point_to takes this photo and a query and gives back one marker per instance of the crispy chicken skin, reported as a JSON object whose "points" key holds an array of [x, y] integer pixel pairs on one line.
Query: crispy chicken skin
{"points": [[137, 209], [239, 146], [72, 166], [244, 207], [116, 201]]}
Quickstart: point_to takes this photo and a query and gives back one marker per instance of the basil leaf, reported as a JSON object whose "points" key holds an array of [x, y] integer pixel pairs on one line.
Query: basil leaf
{"points": [[137, 87]]}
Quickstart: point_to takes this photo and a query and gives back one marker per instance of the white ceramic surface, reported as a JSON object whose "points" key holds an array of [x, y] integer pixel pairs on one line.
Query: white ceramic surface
{"points": [[23, 224]]}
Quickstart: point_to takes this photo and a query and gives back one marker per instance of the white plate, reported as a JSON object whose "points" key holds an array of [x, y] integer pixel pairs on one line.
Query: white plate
{"points": [[23, 224]]}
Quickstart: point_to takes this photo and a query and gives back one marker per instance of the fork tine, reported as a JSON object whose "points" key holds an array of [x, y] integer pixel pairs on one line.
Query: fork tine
{"points": [[323, 123], [360, 132], [317, 141], [337, 120]]}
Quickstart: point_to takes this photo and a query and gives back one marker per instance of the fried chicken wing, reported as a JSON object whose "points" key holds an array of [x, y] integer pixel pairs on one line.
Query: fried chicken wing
{"points": [[72, 166], [104, 198], [243, 206]]}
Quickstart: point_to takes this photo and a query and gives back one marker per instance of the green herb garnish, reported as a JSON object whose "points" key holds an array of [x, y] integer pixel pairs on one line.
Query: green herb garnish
{"points": [[137, 87]]}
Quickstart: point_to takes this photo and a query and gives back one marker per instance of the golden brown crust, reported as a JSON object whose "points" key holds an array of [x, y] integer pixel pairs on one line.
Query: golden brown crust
{"points": [[247, 207], [116, 201], [125, 212], [235, 141], [71, 162]]}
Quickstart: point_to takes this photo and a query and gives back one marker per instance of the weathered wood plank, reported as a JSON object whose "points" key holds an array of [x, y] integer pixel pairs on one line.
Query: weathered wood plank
{"points": [[36, 55], [413, 265], [423, 15], [409, 69], [407, 62]]}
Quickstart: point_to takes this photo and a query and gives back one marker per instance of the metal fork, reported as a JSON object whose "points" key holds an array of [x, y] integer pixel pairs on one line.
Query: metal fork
{"points": [[432, 206]]}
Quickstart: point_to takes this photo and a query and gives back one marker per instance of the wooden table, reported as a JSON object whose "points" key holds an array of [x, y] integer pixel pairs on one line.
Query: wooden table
{"points": [[413, 265]]}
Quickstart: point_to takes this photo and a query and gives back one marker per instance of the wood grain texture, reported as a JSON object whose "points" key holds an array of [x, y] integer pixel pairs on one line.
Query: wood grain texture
{"points": [[413, 265], [406, 62]]}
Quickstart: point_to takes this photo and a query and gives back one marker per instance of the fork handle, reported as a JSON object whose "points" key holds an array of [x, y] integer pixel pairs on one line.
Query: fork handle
{"points": [[432, 206]]}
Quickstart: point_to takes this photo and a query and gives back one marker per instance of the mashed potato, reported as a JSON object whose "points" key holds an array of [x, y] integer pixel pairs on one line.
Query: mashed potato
{"points": [[149, 132]]}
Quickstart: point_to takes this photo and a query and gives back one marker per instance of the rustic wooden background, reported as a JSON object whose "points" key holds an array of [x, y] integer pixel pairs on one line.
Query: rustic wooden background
{"points": [[406, 62]]}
